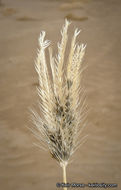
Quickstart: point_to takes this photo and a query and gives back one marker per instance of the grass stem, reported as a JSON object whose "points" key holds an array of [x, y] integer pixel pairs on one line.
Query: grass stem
{"points": [[64, 176]]}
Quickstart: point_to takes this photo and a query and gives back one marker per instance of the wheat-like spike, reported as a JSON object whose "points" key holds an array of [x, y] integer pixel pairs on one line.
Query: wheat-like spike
{"points": [[62, 98]]}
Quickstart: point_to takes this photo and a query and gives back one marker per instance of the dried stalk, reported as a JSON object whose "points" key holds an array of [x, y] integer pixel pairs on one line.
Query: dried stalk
{"points": [[64, 176], [62, 98]]}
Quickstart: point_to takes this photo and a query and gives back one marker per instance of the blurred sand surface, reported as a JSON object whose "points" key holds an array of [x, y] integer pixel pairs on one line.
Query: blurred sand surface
{"points": [[22, 165]]}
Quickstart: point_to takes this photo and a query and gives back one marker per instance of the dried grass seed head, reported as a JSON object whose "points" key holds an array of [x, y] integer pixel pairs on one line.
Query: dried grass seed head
{"points": [[62, 98]]}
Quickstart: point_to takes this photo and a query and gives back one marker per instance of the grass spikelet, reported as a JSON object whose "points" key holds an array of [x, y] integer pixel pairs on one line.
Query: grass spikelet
{"points": [[62, 98]]}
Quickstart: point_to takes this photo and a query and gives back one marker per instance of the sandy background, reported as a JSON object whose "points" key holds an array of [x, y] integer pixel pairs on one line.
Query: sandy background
{"points": [[22, 165]]}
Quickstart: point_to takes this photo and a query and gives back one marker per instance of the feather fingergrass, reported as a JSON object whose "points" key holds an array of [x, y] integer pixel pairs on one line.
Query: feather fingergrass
{"points": [[62, 98]]}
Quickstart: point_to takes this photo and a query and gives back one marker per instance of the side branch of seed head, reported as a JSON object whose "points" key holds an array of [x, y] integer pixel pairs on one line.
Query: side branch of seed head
{"points": [[62, 98]]}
